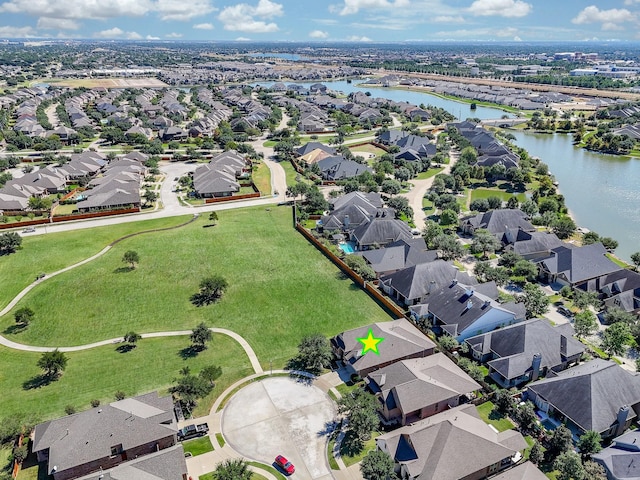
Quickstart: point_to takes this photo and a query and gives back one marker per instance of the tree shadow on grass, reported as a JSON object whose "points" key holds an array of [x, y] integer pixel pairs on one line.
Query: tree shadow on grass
{"points": [[496, 415], [125, 347], [189, 352], [351, 445], [39, 381], [15, 328], [123, 270]]}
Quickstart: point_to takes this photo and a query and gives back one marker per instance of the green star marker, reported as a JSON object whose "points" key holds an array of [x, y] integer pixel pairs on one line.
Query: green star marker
{"points": [[370, 343]]}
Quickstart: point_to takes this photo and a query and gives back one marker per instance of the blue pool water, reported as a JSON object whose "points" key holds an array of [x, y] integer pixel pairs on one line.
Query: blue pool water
{"points": [[347, 247]]}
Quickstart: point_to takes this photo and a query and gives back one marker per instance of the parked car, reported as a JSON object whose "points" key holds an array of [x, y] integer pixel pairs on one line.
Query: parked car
{"points": [[29, 230], [285, 464], [565, 311], [191, 431]]}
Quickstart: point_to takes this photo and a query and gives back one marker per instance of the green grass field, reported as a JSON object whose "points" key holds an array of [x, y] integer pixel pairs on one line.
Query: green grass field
{"points": [[429, 173], [198, 446], [280, 288], [262, 178], [479, 193], [50, 252], [500, 423]]}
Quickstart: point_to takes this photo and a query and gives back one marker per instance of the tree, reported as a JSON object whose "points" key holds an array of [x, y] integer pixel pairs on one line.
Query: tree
{"points": [[484, 242], [590, 237], [391, 187], [569, 466], [314, 354], [360, 266], [509, 259], [609, 243], [536, 455], [447, 342], [9, 243], [211, 290], [449, 218], [561, 441], [585, 324], [361, 409], [535, 301], [494, 202], [213, 217], [431, 231], [582, 299], [589, 443], [232, 469], [564, 227], [529, 207], [189, 388], [24, 316], [594, 471], [200, 336], [526, 269], [211, 373], [377, 465], [448, 246], [131, 257], [53, 363], [526, 415], [150, 196], [616, 314], [615, 338], [504, 401], [132, 338], [635, 258]]}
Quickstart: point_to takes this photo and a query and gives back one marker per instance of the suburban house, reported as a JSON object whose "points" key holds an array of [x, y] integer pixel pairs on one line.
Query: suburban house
{"points": [[412, 285], [523, 471], [218, 178], [584, 267], [462, 311], [531, 245], [526, 351], [621, 289], [122, 433], [621, 459], [452, 445], [410, 390], [498, 222], [353, 210], [337, 167], [380, 231], [598, 395], [402, 340], [399, 255]]}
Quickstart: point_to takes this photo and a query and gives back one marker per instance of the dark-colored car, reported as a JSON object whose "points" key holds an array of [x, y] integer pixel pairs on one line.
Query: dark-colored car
{"points": [[565, 311], [285, 464]]}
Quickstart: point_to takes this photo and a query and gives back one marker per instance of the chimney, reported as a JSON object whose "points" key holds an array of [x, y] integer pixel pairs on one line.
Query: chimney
{"points": [[468, 292], [621, 421], [535, 366], [563, 346], [346, 221], [486, 304], [454, 282], [469, 305]]}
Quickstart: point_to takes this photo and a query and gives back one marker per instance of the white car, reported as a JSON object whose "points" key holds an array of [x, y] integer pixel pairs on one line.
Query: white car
{"points": [[29, 230]]}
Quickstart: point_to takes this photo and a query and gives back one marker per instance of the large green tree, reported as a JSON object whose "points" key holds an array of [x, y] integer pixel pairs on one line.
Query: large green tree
{"points": [[585, 324], [200, 336], [377, 465], [484, 242], [53, 363], [535, 300], [615, 338], [314, 353], [360, 407], [232, 469], [589, 443], [569, 466], [23, 316], [211, 290], [9, 242]]}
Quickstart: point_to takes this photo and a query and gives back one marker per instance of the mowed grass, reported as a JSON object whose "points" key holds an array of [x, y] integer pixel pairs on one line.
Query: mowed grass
{"points": [[262, 178], [51, 252], [479, 193], [100, 372], [280, 288], [198, 446], [487, 414]]}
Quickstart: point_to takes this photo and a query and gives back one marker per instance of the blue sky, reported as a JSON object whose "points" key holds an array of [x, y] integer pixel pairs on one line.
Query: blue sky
{"points": [[324, 21]]}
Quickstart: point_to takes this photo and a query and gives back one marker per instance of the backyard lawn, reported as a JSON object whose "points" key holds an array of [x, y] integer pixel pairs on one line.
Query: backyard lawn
{"points": [[262, 178], [500, 423], [280, 289], [501, 194]]}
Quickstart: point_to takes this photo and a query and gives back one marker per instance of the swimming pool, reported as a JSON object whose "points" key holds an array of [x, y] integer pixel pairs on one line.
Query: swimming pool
{"points": [[347, 247]]}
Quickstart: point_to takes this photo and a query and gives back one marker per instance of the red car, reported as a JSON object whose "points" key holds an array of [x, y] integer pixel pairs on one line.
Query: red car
{"points": [[285, 464]]}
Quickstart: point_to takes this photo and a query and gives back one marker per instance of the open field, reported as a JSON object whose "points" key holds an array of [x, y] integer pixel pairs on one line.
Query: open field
{"points": [[99, 373], [479, 193], [262, 178], [280, 288], [108, 82], [51, 252]]}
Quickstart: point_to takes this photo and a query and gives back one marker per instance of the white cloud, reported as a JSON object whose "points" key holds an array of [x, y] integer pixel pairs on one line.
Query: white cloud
{"points": [[151, 37], [610, 19], [9, 31], [247, 18], [243, 39], [48, 23], [631, 2], [517, 39], [500, 8], [110, 33], [354, 6], [97, 10], [173, 35], [448, 19], [133, 36], [356, 38], [203, 26], [318, 34]]}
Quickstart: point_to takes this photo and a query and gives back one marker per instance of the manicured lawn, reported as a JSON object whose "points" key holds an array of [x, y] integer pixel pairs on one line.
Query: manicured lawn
{"points": [[290, 173], [280, 288], [617, 261], [65, 209], [262, 178], [365, 150], [351, 455], [50, 252], [269, 469], [500, 423], [427, 206], [429, 173], [198, 446], [99, 373], [220, 439], [501, 194]]}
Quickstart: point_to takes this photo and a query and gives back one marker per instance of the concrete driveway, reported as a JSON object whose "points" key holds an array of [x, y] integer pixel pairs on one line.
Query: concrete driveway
{"points": [[282, 416]]}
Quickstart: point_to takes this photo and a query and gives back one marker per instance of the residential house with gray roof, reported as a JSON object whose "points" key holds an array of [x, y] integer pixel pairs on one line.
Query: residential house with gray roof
{"points": [[598, 395], [621, 289], [107, 436], [413, 285], [337, 167], [530, 245], [380, 232], [523, 471], [402, 340], [452, 445], [462, 311], [621, 459], [399, 255], [526, 351], [417, 388], [584, 267], [497, 222]]}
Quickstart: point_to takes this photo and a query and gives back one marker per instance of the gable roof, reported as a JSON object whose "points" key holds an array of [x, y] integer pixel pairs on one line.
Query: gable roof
{"points": [[371, 198], [524, 471], [591, 394], [382, 230], [401, 339], [516, 344], [398, 255], [500, 220], [420, 382], [527, 243], [87, 436], [311, 146], [450, 445], [578, 264]]}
